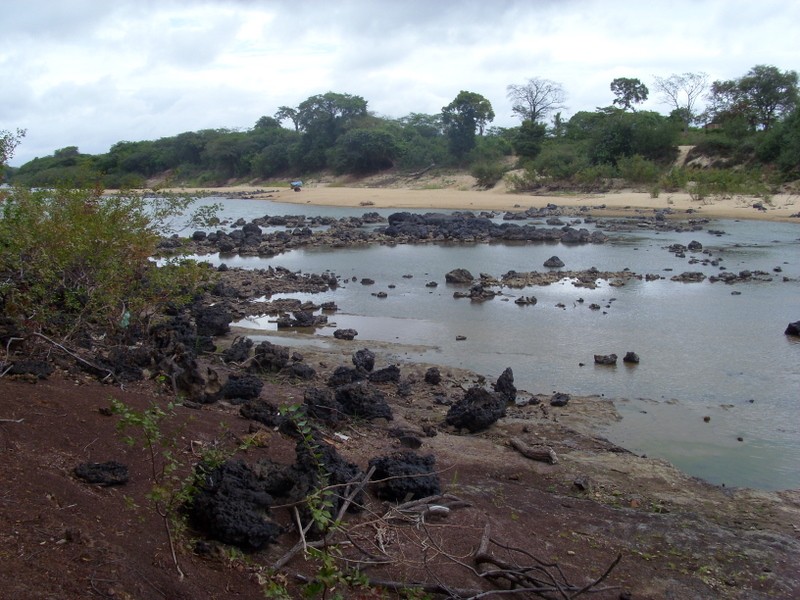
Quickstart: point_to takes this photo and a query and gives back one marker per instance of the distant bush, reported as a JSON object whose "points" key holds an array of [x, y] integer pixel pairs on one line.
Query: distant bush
{"points": [[637, 169], [487, 174]]}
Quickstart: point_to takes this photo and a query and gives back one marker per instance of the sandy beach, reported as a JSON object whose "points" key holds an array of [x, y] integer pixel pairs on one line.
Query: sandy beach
{"points": [[780, 207]]}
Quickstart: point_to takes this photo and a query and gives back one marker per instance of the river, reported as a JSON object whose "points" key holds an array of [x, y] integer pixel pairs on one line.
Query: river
{"points": [[717, 390]]}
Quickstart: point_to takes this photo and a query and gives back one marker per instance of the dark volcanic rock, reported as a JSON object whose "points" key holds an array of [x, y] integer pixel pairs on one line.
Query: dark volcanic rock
{"points": [[106, 473], [631, 357], [390, 374], [321, 404], [345, 334], [793, 328], [459, 276], [239, 350], [433, 376], [605, 359], [317, 456], [264, 412], [243, 387], [37, 368], [269, 358], [405, 475], [344, 375], [505, 385], [553, 263], [300, 370], [212, 320], [559, 399], [477, 410], [364, 359], [363, 400], [231, 504]]}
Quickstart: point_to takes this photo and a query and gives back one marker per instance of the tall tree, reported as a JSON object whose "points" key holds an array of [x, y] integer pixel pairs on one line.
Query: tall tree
{"points": [[287, 112], [536, 99], [682, 92], [628, 91], [467, 113]]}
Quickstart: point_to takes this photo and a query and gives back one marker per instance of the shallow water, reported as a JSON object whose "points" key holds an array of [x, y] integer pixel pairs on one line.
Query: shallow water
{"points": [[704, 352]]}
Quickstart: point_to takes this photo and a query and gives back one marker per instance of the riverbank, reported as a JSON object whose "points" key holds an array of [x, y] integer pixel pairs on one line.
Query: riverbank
{"points": [[458, 193]]}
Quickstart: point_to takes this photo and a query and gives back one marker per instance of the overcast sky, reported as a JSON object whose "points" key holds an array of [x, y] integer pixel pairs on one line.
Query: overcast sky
{"points": [[90, 73]]}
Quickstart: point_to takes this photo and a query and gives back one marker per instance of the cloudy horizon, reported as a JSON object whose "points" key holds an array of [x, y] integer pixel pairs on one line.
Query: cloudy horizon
{"points": [[90, 73]]}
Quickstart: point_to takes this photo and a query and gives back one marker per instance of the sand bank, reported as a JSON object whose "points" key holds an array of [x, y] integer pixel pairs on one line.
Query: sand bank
{"points": [[779, 208]]}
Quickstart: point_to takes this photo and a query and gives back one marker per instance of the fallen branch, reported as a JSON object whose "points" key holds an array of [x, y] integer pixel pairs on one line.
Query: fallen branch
{"points": [[540, 453], [11, 420], [109, 374]]}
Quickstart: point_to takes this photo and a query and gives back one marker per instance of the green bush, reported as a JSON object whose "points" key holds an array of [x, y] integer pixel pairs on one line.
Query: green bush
{"points": [[73, 258], [487, 174], [637, 169]]}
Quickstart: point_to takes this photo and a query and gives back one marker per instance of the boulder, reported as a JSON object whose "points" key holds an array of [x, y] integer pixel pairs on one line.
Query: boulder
{"points": [[405, 476], [479, 409], [631, 357], [362, 400], [390, 374], [269, 358], [364, 359], [433, 376], [505, 385], [554, 263], [344, 375], [461, 276], [321, 404], [559, 399], [242, 387], [793, 329], [345, 334], [605, 359], [105, 473]]}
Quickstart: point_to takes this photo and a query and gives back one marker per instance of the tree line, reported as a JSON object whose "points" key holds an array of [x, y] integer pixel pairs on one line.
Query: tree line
{"points": [[752, 121]]}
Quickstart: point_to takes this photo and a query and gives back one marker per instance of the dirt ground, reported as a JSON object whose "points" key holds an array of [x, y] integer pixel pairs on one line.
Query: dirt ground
{"points": [[678, 537]]}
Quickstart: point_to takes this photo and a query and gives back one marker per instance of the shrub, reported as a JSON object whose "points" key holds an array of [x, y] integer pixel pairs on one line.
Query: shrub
{"points": [[487, 174], [637, 169], [72, 258]]}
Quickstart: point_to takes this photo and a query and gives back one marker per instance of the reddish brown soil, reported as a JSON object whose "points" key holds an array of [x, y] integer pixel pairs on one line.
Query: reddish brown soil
{"points": [[678, 537]]}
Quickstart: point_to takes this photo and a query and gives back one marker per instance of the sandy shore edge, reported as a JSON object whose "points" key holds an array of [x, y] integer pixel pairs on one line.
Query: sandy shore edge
{"points": [[780, 207]]}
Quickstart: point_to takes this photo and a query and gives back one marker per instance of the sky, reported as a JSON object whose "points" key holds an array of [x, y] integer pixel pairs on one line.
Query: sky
{"points": [[90, 73]]}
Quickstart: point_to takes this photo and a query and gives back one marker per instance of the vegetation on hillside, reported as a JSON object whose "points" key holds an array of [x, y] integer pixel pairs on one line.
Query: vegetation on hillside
{"points": [[750, 124]]}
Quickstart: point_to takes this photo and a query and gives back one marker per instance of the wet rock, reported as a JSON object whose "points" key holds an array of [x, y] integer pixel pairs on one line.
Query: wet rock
{"points": [[793, 329], [405, 475], [362, 400], [242, 387], [364, 359], [302, 318], [461, 276], [345, 334], [367, 281], [631, 357], [431, 284], [605, 359], [505, 385], [479, 409], [554, 263], [476, 293], [695, 246], [105, 473], [526, 300], [559, 399], [433, 376], [689, 277]]}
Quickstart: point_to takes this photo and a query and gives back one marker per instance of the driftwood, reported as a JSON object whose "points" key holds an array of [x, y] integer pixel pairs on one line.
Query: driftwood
{"points": [[417, 174], [540, 453]]}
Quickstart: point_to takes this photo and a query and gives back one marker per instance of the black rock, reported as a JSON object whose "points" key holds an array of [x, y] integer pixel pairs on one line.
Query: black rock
{"points": [[239, 350], [631, 357], [477, 410], [505, 385], [363, 400], [433, 376], [106, 473], [344, 375], [345, 334], [459, 276], [390, 374], [300, 370], [559, 399], [269, 358], [405, 475], [245, 387], [364, 359], [321, 404], [793, 329], [605, 359], [554, 263]]}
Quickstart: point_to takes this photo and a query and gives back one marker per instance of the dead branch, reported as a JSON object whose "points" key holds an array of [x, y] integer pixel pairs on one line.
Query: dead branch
{"points": [[109, 374], [540, 453]]}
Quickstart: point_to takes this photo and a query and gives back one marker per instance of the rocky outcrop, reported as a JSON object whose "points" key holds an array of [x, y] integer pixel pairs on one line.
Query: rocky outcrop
{"points": [[479, 409], [793, 329], [459, 276], [554, 263], [605, 359]]}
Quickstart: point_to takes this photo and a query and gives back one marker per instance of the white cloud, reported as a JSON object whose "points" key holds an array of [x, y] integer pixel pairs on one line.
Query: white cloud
{"points": [[90, 73]]}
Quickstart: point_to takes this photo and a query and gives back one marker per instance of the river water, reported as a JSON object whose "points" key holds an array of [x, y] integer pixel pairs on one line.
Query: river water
{"points": [[705, 352]]}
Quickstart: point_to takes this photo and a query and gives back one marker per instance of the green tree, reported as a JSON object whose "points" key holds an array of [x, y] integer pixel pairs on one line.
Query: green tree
{"points": [[536, 99], [363, 151], [528, 139], [762, 97], [628, 91], [288, 113], [467, 113], [8, 144]]}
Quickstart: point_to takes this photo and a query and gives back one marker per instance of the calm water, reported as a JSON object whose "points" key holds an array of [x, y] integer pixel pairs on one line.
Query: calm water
{"points": [[704, 352]]}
